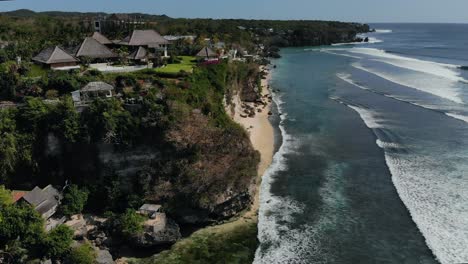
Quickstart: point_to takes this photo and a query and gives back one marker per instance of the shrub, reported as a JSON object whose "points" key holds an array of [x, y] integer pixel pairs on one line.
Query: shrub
{"points": [[74, 200], [52, 94], [84, 254], [57, 243]]}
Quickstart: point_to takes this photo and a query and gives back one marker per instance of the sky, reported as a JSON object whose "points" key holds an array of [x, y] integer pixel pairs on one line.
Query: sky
{"points": [[434, 11]]}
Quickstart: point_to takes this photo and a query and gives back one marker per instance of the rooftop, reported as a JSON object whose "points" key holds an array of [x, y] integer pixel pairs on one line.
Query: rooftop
{"points": [[94, 49], [97, 86], [53, 55], [101, 38], [207, 52], [144, 38]]}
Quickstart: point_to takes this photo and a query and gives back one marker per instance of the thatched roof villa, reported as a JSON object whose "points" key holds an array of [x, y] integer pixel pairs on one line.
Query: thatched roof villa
{"points": [[56, 58], [93, 49]]}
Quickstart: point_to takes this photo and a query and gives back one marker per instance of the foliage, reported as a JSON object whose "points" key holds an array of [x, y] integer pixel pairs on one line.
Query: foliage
{"points": [[8, 85], [5, 196], [21, 222], [107, 120], [8, 144], [236, 246], [63, 82], [84, 254], [65, 121], [57, 242], [74, 200], [127, 224]]}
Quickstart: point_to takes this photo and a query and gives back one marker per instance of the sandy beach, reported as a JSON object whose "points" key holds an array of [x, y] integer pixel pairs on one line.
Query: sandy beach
{"points": [[262, 136]]}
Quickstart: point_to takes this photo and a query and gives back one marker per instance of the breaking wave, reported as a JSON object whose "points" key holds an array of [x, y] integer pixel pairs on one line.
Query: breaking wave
{"points": [[383, 31], [278, 243], [432, 86], [347, 78], [435, 198], [447, 71]]}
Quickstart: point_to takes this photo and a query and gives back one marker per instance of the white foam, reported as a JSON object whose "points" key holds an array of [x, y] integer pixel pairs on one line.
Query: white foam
{"points": [[368, 116], [347, 78], [436, 86], [435, 197], [284, 245], [448, 71], [458, 116], [384, 145], [383, 31], [330, 51]]}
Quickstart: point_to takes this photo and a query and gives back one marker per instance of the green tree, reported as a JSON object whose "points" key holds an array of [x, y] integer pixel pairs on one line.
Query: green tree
{"points": [[8, 144], [32, 114], [21, 222], [57, 243], [130, 223], [84, 254], [65, 120], [74, 200], [5, 196], [8, 83]]}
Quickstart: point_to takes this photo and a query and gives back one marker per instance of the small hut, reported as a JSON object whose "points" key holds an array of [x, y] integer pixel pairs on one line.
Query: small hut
{"points": [[141, 54], [92, 91], [56, 58], [207, 54]]}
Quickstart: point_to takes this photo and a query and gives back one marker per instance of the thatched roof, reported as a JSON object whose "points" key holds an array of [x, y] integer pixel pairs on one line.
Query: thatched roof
{"points": [[93, 49], [144, 38], [53, 55], [140, 54], [101, 38], [97, 86], [207, 53]]}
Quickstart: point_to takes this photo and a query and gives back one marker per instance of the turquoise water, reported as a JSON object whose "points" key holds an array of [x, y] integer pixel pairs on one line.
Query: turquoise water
{"points": [[374, 162]]}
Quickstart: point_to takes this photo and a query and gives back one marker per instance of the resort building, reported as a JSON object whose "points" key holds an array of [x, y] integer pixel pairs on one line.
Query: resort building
{"points": [[56, 58], [149, 39], [101, 39], [207, 54], [44, 201], [91, 91], [93, 49], [141, 54]]}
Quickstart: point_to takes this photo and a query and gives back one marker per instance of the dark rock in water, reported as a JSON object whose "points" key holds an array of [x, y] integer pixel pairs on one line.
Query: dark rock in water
{"points": [[366, 39], [274, 66], [465, 68]]}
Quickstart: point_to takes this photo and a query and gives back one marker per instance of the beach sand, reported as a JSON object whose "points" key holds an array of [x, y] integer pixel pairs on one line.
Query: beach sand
{"points": [[262, 136]]}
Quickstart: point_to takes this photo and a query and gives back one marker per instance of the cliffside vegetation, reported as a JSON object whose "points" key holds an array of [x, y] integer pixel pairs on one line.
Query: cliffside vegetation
{"points": [[166, 139]]}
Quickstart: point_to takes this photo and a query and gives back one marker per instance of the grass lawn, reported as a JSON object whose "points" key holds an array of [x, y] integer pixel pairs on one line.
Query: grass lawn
{"points": [[187, 65], [37, 71]]}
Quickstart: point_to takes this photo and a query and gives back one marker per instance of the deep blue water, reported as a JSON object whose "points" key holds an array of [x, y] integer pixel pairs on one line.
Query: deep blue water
{"points": [[374, 162]]}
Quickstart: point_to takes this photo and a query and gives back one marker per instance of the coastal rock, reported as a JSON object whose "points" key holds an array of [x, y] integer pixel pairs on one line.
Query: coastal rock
{"points": [[158, 231], [104, 257]]}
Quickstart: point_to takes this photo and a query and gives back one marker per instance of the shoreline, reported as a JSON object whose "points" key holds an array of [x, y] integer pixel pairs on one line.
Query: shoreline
{"points": [[262, 137]]}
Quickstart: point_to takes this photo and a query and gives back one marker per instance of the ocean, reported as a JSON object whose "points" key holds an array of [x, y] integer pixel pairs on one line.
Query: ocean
{"points": [[373, 162]]}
